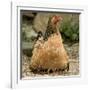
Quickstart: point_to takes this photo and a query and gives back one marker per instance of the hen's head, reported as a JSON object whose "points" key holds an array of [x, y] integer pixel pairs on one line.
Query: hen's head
{"points": [[55, 19]]}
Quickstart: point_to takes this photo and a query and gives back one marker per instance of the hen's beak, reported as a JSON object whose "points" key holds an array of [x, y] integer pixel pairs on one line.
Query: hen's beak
{"points": [[60, 18]]}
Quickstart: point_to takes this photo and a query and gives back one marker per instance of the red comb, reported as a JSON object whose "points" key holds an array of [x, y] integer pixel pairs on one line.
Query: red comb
{"points": [[58, 17]]}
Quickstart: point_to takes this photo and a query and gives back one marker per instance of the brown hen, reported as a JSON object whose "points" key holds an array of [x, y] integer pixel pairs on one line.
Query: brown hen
{"points": [[49, 52]]}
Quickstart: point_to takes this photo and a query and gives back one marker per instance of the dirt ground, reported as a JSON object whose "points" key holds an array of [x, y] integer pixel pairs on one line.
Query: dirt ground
{"points": [[73, 52]]}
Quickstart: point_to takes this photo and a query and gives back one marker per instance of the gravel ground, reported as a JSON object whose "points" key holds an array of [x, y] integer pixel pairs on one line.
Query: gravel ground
{"points": [[73, 52]]}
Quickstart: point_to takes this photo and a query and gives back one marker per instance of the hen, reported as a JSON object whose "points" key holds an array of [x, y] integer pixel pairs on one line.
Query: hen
{"points": [[49, 52]]}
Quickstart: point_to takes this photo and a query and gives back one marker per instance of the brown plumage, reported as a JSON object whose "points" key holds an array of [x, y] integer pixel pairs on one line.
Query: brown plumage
{"points": [[52, 26], [50, 54]]}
